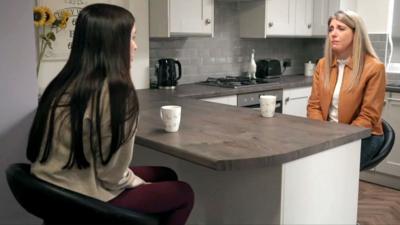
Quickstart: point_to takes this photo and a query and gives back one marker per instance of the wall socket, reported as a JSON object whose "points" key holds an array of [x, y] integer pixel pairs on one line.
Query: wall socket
{"points": [[287, 63]]}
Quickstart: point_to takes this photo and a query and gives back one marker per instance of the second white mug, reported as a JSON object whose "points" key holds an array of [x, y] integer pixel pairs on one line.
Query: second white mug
{"points": [[267, 105], [171, 117]]}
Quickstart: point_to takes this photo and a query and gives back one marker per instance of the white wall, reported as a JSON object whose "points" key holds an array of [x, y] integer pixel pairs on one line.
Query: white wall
{"points": [[375, 14], [18, 97], [139, 68]]}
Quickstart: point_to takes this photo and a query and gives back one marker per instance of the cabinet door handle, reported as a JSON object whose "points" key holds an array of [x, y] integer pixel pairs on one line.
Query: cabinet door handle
{"points": [[309, 26], [270, 24], [295, 98], [208, 21]]}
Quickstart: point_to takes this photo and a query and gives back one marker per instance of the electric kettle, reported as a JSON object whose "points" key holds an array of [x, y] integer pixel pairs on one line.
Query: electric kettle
{"points": [[167, 76]]}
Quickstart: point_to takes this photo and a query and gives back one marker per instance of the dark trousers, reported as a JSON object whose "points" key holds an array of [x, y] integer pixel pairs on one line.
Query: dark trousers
{"points": [[165, 195], [370, 147]]}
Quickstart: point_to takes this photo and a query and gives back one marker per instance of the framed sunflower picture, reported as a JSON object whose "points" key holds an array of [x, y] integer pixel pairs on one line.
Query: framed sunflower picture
{"points": [[55, 23]]}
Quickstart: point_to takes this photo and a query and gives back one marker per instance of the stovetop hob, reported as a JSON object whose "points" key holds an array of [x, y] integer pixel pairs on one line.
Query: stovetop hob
{"points": [[238, 81]]}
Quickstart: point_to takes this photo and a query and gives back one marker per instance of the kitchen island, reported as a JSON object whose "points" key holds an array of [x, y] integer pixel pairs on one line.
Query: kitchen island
{"points": [[246, 169]]}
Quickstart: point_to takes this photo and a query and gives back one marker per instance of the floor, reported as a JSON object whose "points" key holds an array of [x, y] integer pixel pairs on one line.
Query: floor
{"points": [[378, 205]]}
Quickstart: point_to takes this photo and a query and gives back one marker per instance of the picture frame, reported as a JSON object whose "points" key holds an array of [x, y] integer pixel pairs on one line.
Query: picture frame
{"points": [[61, 47]]}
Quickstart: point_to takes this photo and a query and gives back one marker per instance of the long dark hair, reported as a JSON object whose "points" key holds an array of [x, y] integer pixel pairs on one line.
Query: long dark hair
{"points": [[100, 55]]}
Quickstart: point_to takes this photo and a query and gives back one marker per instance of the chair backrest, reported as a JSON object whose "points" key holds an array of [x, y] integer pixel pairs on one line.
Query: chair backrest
{"points": [[56, 205], [389, 137]]}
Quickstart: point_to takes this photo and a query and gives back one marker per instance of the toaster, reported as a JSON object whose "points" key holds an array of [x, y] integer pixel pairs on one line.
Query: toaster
{"points": [[268, 68]]}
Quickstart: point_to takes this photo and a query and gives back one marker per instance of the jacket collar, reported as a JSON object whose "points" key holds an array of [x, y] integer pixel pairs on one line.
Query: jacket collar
{"points": [[349, 62]]}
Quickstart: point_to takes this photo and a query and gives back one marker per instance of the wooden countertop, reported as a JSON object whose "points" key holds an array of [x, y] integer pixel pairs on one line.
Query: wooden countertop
{"points": [[222, 137]]}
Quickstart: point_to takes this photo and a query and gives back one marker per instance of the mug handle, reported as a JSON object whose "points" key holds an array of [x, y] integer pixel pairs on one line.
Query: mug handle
{"points": [[161, 114]]}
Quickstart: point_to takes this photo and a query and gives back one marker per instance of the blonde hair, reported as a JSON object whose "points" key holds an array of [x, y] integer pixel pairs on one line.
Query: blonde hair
{"points": [[361, 45]]}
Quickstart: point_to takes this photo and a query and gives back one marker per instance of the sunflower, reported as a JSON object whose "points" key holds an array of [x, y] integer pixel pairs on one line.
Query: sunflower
{"points": [[50, 18], [39, 16], [64, 18]]}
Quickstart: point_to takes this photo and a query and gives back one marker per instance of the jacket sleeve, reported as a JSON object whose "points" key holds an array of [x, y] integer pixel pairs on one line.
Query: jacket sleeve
{"points": [[314, 110], [115, 175], [373, 99]]}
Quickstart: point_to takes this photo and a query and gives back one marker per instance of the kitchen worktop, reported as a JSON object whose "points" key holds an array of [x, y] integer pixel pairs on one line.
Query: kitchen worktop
{"points": [[250, 167], [393, 86], [222, 137], [198, 90]]}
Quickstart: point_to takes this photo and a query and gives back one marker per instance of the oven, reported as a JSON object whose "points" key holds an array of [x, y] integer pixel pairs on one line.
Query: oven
{"points": [[252, 100]]}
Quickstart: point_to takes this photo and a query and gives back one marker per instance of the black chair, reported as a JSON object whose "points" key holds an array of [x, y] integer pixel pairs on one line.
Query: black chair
{"points": [[387, 145], [56, 205]]}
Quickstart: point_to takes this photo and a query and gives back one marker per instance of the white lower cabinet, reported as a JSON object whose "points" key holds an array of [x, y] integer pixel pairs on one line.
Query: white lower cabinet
{"points": [[226, 100], [295, 101], [387, 173], [391, 113]]}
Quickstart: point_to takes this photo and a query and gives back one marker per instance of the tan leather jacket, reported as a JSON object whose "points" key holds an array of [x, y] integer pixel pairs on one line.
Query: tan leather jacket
{"points": [[362, 106]]}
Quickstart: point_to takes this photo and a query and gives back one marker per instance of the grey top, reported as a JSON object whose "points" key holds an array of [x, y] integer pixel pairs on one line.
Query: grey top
{"points": [[223, 137], [103, 182]]}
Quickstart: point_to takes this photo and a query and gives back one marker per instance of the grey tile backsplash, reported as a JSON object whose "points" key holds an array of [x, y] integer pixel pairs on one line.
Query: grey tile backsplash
{"points": [[379, 44], [227, 54]]}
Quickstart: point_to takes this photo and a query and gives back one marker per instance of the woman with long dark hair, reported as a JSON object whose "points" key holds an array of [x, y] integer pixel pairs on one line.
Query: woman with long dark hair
{"points": [[83, 132]]}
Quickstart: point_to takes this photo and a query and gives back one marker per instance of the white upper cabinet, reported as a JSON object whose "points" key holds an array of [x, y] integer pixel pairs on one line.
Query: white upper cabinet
{"points": [[263, 18], [280, 17], [181, 18], [323, 9], [304, 17], [320, 17]]}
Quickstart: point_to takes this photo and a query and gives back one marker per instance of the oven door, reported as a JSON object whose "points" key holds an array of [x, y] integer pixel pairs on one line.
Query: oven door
{"points": [[252, 100], [278, 106]]}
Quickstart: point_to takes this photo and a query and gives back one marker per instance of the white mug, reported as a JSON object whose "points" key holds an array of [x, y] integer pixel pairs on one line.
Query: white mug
{"points": [[171, 116], [267, 105]]}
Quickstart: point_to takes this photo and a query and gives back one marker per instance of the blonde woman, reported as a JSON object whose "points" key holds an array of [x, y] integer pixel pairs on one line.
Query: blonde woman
{"points": [[349, 81]]}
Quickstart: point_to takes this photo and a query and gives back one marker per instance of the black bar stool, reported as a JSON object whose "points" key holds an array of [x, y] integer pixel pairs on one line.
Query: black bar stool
{"points": [[387, 145], [56, 205]]}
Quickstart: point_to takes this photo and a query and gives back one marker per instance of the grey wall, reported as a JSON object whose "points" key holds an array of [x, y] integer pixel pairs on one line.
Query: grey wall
{"points": [[18, 97]]}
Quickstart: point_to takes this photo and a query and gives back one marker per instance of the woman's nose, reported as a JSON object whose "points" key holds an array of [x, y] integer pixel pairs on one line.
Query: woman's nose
{"points": [[334, 33], [135, 46]]}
